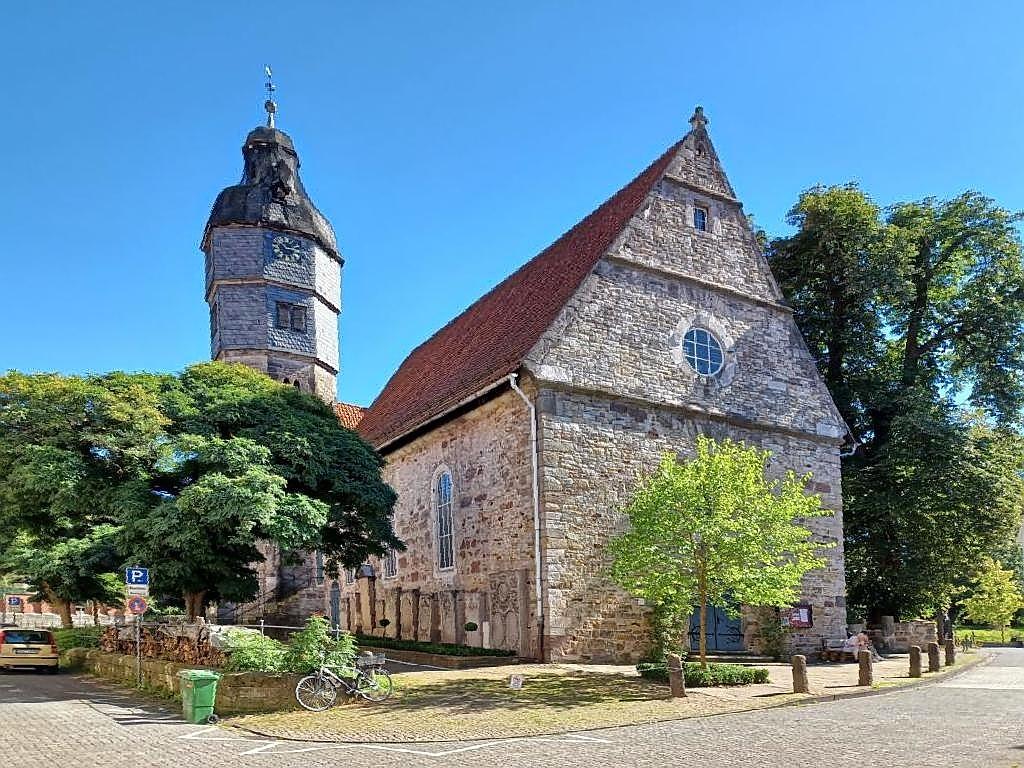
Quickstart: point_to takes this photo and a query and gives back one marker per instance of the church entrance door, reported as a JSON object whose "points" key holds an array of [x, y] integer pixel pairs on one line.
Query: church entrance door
{"points": [[724, 634]]}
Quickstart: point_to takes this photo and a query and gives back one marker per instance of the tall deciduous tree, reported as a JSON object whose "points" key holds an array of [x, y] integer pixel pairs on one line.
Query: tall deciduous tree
{"points": [[715, 531], [186, 474], [995, 598], [69, 449], [915, 317]]}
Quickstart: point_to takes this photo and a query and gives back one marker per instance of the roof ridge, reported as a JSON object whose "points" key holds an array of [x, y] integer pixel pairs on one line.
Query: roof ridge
{"points": [[507, 336]]}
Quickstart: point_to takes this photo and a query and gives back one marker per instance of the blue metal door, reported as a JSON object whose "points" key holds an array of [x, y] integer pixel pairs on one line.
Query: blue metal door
{"points": [[723, 631]]}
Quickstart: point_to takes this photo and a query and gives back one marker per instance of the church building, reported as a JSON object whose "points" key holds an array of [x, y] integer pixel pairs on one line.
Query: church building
{"points": [[514, 435]]}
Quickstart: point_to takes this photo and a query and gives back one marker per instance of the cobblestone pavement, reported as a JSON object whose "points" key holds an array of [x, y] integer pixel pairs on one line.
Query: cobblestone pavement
{"points": [[973, 719]]}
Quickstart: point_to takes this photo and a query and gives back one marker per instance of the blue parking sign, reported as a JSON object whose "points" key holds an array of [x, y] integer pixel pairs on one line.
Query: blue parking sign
{"points": [[14, 601], [136, 576]]}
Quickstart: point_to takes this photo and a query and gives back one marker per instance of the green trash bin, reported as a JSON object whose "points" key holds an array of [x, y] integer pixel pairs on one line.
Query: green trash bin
{"points": [[198, 692]]}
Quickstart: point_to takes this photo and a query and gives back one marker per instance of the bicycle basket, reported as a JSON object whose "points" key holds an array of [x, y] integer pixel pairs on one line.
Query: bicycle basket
{"points": [[369, 659]]}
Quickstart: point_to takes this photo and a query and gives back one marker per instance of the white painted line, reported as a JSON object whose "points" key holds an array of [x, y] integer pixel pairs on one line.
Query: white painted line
{"points": [[201, 735], [260, 748]]}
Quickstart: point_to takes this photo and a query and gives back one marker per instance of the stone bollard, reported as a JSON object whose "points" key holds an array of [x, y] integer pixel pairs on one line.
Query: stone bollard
{"points": [[676, 680], [933, 657], [865, 674], [800, 674], [950, 651], [915, 661]]}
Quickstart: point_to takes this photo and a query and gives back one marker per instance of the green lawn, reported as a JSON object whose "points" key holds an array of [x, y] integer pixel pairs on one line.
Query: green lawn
{"points": [[989, 635]]}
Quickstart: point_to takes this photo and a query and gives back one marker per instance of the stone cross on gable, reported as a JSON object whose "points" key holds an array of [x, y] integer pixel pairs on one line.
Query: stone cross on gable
{"points": [[698, 120]]}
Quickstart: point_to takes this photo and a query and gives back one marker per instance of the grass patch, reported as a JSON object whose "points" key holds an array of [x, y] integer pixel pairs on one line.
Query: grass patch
{"points": [[442, 649], [982, 635], [712, 676]]}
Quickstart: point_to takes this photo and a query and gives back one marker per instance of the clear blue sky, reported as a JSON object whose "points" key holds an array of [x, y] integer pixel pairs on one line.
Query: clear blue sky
{"points": [[448, 143]]}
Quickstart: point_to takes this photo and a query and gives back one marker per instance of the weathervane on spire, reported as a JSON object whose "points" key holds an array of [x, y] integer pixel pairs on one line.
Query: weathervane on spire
{"points": [[270, 105]]}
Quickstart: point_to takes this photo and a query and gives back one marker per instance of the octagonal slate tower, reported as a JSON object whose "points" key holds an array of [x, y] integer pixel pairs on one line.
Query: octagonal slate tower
{"points": [[273, 271]]}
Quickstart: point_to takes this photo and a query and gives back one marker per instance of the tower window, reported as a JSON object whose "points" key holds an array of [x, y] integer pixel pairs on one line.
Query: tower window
{"points": [[700, 219], [291, 317]]}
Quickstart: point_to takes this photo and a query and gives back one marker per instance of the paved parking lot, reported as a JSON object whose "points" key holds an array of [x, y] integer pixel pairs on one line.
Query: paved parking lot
{"points": [[973, 719]]}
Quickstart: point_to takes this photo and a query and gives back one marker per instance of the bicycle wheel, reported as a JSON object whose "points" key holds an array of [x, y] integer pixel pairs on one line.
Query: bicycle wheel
{"points": [[374, 684], [316, 693]]}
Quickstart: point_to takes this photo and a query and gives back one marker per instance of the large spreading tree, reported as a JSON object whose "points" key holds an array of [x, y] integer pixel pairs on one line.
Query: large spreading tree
{"points": [[714, 530], [185, 474], [914, 316], [71, 450]]}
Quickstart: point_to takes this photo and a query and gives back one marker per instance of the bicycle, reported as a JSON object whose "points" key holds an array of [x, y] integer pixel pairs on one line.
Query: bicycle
{"points": [[318, 691]]}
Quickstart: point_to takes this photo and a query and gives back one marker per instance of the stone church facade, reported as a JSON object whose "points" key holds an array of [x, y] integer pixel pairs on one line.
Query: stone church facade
{"points": [[515, 434]]}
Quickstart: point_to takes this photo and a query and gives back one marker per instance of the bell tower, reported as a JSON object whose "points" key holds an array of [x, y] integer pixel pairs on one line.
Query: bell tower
{"points": [[273, 270]]}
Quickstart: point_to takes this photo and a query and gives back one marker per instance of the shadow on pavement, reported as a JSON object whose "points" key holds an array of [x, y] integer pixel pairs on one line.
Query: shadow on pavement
{"points": [[124, 707]]}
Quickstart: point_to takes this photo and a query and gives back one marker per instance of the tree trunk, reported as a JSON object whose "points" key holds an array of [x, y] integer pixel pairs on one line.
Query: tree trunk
{"points": [[702, 580], [62, 606], [95, 613], [194, 604]]}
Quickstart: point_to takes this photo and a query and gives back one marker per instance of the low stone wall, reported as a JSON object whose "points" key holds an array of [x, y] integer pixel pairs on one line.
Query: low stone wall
{"points": [[237, 692], [441, 660]]}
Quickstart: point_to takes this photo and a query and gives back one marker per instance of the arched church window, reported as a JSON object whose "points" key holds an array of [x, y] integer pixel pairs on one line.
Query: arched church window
{"points": [[390, 564], [703, 351], [445, 522]]}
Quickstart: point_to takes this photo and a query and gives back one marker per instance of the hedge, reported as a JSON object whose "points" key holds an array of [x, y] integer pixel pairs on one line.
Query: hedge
{"points": [[714, 675], [442, 649]]}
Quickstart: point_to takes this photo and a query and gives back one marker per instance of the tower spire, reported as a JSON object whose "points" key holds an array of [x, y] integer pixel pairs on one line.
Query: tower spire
{"points": [[270, 105]]}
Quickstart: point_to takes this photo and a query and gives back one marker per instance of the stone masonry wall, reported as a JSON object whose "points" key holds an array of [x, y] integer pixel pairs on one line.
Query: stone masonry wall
{"points": [[487, 452], [592, 450], [617, 391]]}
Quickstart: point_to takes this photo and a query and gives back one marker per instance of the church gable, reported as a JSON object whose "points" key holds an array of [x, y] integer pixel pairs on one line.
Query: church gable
{"points": [[683, 311]]}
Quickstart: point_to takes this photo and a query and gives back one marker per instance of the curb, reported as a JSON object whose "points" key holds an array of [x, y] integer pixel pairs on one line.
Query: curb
{"points": [[981, 658]]}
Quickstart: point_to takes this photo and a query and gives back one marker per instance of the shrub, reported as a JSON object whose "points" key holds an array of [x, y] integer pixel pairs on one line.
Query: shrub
{"points": [[253, 652], [697, 676], [316, 643], [443, 649], [78, 637]]}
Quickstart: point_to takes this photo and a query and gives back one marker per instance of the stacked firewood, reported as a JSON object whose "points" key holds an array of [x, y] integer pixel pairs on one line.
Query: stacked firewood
{"points": [[181, 643]]}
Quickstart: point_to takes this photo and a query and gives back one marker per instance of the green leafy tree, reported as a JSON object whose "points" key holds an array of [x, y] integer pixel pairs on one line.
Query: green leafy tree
{"points": [[73, 451], [186, 474], [715, 530], [914, 318], [996, 597], [246, 460]]}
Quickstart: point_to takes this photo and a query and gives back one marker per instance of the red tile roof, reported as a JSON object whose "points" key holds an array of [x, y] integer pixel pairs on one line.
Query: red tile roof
{"points": [[490, 339], [349, 415]]}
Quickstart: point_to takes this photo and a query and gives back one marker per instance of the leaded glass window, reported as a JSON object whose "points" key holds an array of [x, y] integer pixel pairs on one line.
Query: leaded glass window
{"points": [[390, 564], [445, 524], [702, 351]]}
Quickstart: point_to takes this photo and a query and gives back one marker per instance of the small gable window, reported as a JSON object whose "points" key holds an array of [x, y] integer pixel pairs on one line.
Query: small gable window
{"points": [[445, 522], [703, 351], [700, 218], [291, 317]]}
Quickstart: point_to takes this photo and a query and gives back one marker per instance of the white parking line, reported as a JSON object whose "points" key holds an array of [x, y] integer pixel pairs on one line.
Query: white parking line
{"points": [[270, 747]]}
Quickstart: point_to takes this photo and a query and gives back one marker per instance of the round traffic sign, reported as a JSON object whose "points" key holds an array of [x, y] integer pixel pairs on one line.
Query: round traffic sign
{"points": [[137, 605]]}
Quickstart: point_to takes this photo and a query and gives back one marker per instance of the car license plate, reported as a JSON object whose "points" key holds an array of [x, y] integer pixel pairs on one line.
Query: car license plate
{"points": [[26, 650]]}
